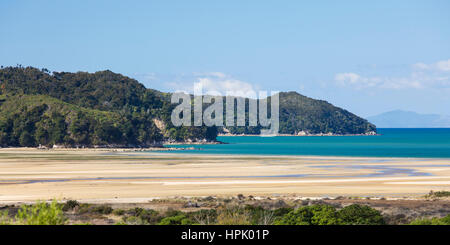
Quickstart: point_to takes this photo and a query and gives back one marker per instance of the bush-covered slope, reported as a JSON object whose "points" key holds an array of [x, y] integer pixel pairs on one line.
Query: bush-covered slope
{"points": [[105, 108], [31, 120], [103, 90], [299, 113], [102, 108]]}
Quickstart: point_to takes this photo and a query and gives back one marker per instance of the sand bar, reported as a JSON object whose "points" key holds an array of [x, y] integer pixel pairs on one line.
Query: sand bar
{"points": [[28, 174]]}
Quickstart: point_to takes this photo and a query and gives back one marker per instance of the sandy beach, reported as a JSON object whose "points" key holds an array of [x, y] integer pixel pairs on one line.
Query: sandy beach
{"points": [[103, 175]]}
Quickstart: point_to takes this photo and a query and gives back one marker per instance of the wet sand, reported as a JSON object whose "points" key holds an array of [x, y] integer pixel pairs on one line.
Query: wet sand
{"points": [[98, 175]]}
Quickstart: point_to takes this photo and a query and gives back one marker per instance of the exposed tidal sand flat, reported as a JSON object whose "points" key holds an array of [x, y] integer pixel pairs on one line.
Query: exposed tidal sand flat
{"points": [[111, 176]]}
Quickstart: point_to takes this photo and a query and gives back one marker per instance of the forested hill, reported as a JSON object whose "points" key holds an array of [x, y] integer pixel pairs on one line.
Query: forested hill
{"points": [[86, 109], [301, 115], [108, 109]]}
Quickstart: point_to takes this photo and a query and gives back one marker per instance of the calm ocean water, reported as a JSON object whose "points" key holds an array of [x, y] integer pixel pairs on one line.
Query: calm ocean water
{"points": [[434, 143]]}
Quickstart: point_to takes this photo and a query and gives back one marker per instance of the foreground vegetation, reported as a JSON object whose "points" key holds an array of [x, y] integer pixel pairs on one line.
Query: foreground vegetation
{"points": [[437, 194], [55, 213], [40, 213]]}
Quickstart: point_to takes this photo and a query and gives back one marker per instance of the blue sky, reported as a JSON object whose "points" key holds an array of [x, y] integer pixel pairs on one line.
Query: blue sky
{"points": [[367, 57]]}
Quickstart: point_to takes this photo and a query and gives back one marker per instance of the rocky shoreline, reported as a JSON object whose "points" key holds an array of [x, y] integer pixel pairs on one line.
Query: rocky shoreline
{"points": [[160, 146], [113, 147], [302, 133]]}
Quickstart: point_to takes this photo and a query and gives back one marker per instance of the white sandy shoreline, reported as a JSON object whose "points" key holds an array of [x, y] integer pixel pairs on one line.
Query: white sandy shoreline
{"points": [[90, 174], [182, 152]]}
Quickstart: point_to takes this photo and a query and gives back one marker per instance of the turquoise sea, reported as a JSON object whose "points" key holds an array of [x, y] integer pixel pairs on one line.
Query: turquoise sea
{"points": [[428, 143]]}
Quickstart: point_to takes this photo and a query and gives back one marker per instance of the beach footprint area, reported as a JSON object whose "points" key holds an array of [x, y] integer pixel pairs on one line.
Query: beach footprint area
{"points": [[108, 176]]}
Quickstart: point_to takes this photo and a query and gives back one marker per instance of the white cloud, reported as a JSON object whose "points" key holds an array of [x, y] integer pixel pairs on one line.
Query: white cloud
{"points": [[225, 87], [214, 83], [347, 77], [421, 66], [442, 66], [359, 82], [210, 74], [421, 76], [148, 79]]}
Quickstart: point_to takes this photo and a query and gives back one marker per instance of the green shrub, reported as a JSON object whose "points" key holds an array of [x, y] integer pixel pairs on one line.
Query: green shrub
{"points": [[438, 194], [118, 212], [327, 215], [446, 220], [139, 216], [70, 204], [132, 220], [311, 215], [102, 209], [324, 215], [84, 208], [4, 218], [356, 214], [172, 212], [176, 220], [41, 213], [301, 216], [423, 221], [150, 216], [279, 212], [432, 221], [135, 211]]}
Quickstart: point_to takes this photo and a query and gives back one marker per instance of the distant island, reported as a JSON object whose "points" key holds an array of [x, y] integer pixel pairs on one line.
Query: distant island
{"points": [[106, 109], [409, 119]]}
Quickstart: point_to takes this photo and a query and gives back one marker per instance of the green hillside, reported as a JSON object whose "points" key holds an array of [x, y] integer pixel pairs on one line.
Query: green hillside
{"points": [[108, 109], [301, 114], [31, 120], [86, 109]]}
